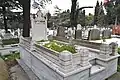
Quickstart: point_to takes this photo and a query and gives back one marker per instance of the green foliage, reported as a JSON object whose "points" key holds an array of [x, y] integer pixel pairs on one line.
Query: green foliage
{"points": [[96, 13], [10, 57], [118, 68], [81, 18], [59, 47], [99, 15], [89, 19], [113, 10], [6, 13], [110, 9], [10, 41], [119, 50], [42, 40]]}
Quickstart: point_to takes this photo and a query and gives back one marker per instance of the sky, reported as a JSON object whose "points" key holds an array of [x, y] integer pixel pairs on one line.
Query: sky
{"points": [[66, 4]]}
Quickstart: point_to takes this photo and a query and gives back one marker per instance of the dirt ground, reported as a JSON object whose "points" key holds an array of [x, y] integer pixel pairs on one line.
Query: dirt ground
{"points": [[4, 75], [10, 70], [18, 73]]}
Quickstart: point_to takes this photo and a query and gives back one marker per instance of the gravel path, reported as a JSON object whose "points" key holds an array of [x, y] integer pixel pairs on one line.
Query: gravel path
{"points": [[17, 73]]}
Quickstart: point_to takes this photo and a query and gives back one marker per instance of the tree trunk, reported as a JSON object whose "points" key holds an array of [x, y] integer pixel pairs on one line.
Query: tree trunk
{"points": [[73, 12], [26, 16], [5, 20]]}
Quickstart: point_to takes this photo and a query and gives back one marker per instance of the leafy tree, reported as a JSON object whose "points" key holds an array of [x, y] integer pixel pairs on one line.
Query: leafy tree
{"points": [[5, 10], [110, 16], [81, 18], [26, 13], [89, 19], [113, 9], [62, 18], [73, 13], [101, 16]]}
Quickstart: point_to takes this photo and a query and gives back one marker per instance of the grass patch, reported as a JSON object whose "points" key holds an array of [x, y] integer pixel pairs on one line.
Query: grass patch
{"points": [[42, 41], [11, 57], [10, 41]]}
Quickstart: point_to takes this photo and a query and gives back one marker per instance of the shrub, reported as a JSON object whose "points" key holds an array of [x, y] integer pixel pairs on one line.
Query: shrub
{"points": [[10, 41], [11, 57], [59, 47], [119, 50]]}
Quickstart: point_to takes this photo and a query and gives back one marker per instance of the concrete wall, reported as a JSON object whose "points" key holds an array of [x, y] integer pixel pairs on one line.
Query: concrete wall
{"points": [[8, 50]]}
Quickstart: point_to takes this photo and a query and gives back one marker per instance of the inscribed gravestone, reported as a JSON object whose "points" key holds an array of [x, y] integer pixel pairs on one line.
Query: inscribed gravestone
{"points": [[79, 27], [61, 31], [106, 34], [7, 35], [79, 34], [94, 34], [39, 27]]}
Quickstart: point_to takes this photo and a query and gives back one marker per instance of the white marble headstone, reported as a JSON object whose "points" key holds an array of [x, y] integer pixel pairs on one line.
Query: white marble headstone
{"points": [[39, 27], [7, 36], [79, 27]]}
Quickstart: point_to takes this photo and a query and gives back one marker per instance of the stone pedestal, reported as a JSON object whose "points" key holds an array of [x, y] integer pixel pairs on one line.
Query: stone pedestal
{"points": [[65, 61], [105, 51], [39, 27], [84, 57]]}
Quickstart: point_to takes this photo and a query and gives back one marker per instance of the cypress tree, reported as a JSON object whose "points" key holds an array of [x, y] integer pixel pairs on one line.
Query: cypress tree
{"points": [[96, 13]]}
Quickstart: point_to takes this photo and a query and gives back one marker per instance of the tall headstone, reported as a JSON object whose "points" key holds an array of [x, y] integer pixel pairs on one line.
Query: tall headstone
{"points": [[94, 34], [79, 34], [106, 34], [61, 31], [79, 27], [39, 27]]}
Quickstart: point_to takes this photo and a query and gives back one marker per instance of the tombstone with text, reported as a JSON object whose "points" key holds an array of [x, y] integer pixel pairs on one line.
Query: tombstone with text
{"points": [[61, 31], [94, 34], [79, 27], [78, 34], [39, 27], [106, 34]]}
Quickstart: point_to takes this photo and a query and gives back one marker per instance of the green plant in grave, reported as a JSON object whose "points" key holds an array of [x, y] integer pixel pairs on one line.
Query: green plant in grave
{"points": [[11, 56], [59, 47], [53, 46]]}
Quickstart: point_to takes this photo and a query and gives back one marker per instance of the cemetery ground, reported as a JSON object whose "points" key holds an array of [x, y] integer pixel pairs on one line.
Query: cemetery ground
{"points": [[10, 70]]}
